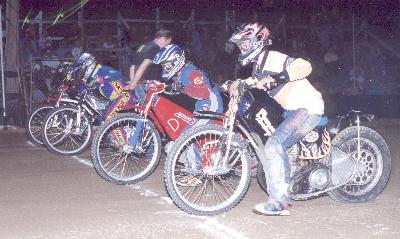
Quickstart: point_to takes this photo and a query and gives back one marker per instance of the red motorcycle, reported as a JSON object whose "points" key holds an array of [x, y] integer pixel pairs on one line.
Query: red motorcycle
{"points": [[127, 148]]}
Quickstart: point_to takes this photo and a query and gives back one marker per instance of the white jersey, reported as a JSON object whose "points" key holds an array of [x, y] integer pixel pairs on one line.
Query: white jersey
{"points": [[298, 93]]}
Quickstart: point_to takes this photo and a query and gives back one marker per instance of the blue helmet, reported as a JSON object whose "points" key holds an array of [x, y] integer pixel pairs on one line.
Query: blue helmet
{"points": [[86, 64], [172, 59]]}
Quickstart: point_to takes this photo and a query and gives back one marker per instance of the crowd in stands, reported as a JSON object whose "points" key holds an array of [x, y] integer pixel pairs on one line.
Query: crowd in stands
{"points": [[324, 43]]}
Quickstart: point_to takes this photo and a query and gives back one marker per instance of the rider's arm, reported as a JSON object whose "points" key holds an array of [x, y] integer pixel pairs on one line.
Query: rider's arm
{"points": [[135, 76], [295, 69], [299, 69], [290, 69]]}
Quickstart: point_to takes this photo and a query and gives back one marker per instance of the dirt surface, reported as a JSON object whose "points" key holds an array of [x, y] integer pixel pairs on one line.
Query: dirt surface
{"points": [[46, 196]]}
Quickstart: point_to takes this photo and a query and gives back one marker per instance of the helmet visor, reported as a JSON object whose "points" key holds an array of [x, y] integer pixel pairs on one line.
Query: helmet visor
{"points": [[244, 46], [167, 65]]}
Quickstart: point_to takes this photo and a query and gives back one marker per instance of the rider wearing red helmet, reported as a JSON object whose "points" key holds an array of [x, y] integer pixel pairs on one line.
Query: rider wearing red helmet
{"points": [[284, 79]]}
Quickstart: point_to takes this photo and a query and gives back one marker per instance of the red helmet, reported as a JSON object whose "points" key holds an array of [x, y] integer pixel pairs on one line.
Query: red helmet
{"points": [[251, 38]]}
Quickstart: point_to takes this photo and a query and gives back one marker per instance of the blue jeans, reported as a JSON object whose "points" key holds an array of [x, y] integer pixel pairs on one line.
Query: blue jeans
{"points": [[295, 126], [140, 93]]}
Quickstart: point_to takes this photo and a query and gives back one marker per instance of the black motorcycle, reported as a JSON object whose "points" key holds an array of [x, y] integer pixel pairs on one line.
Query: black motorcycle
{"points": [[349, 162]]}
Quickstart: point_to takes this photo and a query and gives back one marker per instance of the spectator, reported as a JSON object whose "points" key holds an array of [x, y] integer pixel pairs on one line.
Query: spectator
{"points": [[48, 66], [106, 37], [129, 36], [357, 78], [142, 67], [76, 49], [209, 49], [224, 62], [196, 45], [147, 33], [30, 44], [62, 49]]}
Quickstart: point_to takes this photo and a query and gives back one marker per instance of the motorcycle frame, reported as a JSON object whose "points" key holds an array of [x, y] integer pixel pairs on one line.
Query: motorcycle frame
{"points": [[354, 117], [147, 110]]}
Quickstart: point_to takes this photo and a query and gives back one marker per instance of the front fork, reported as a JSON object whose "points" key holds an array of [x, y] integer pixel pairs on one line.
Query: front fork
{"points": [[138, 129], [358, 135], [78, 120]]}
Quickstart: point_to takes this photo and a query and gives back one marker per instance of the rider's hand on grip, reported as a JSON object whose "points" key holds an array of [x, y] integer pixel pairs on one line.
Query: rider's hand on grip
{"points": [[226, 86], [266, 84], [238, 87], [233, 88]]}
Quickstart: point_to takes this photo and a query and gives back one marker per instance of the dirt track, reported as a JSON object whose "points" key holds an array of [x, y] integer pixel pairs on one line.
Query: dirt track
{"points": [[46, 196]]}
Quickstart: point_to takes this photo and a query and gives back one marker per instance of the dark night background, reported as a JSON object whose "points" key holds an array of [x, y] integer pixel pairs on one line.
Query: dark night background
{"points": [[318, 31]]}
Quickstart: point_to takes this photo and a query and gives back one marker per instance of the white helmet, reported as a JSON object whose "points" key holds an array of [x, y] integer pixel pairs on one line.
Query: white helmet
{"points": [[251, 38]]}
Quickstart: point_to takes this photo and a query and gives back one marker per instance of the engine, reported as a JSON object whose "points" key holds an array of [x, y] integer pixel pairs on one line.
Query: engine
{"points": [[311, 178], [96, 102]]}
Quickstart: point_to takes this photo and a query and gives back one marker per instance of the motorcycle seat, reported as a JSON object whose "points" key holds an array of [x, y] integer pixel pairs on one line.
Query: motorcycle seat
{"points": [[324, 121]]}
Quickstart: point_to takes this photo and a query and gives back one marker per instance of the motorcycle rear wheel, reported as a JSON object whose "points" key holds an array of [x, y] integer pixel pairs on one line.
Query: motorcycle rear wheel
{"points": [[373, 167]]}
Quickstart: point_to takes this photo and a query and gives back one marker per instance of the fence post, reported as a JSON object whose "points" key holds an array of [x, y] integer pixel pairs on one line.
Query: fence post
{"points": [[284, 30], [226, 21], [192, 14], [233, 18], [39, 19], [31, 87], [157, 18], [81, 26], [3, 85], [354, 41], [119, 31]]}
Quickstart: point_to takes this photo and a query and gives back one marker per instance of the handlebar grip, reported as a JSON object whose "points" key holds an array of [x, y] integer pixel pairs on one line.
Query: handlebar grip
{"points": [[271, 85]]}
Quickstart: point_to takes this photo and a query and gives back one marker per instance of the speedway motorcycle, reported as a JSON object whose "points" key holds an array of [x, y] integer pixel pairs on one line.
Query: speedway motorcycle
{"points": [[65, 93], [127, 148], [67, 130], [349, 162]]}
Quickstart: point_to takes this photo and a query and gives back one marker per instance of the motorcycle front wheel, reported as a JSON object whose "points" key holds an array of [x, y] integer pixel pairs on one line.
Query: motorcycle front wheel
{"points": [[61, 133], [116, 158], [34, 123], [195, 178]]}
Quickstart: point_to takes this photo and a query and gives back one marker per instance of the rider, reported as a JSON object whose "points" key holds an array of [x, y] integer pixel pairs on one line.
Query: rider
{"points": [[109, 82], [192, 81], [283, 78], [188, 79]]}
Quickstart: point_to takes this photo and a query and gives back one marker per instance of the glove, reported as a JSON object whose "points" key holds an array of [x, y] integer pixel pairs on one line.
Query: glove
{"points": [[238, 87], [175, 87], [266, 84], [226, 86]]}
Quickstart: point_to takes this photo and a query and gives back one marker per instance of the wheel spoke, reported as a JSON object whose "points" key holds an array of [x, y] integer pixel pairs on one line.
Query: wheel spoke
{"points": [[59, 135], [215, 188], [121, 162]]}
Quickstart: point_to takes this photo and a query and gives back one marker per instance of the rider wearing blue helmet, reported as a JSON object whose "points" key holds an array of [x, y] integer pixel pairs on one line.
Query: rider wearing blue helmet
{"points": [[189, 80], [193, 82], [109, 82]]}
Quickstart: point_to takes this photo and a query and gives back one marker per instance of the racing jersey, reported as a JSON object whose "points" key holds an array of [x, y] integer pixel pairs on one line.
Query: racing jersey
{"points": [[197, 85], [109, 82], [298, 92]]}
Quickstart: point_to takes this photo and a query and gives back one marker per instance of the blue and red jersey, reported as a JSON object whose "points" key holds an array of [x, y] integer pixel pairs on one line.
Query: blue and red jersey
{"points": [[197, 85]]}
